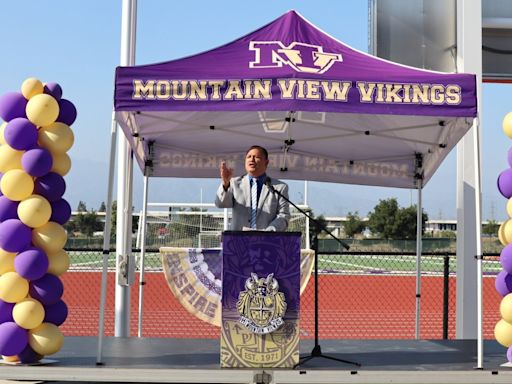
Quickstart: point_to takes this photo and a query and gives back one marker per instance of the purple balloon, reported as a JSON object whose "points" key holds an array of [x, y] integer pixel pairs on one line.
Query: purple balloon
{"points": [[61, 211], [13, 339], [37, 162], [1, 175], [505, 183], [31, 264], [67, 112], [509, 354], [51, 186], [6, 311], [506, 258], [503, 283], [14, 235], [56, 313], [29, 356], [8, 209], [47, 290], [12, 105], [53, 89], [20, 134]]}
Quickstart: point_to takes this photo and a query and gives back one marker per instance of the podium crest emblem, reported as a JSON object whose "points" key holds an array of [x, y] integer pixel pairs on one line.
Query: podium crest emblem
{"points": [[261, 306]]}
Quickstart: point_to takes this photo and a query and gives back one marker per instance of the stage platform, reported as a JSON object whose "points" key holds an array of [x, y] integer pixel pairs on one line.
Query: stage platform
{"points": [[197, 361]]}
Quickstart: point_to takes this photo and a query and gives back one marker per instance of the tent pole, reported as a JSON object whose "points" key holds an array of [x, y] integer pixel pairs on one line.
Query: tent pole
{"points": [[139, 230], [142, 223], [469, 59], [479, 255], [419, 225], [124, 262], [106, 238], [306, 187]]}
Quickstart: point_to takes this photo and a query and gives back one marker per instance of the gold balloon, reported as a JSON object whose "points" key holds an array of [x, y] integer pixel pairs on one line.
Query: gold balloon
{"points": [[503, 333], [10, 158], [2, 129], [509, 207], [46, 339], [505, 232], [58, 262], [506, 308], [34, 211], [56, 137], [28, 313], [507, 124], [51, 237], [61, 163], [42, 110], [10, 359], [13, 287], [16, 185], [31, 87], [6, 261]]}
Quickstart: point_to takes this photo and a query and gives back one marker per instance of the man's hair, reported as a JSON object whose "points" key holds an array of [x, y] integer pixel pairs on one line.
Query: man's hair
{"points": [[265, 153]]}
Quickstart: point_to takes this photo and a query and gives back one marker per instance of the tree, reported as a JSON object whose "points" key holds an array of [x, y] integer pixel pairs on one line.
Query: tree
{"points": [[390, 221], [102, 207], [381, 219], [406, 223], [353, 225], [491, 228], [314, 227], [87, 223], [81, 207], [70, 227]]}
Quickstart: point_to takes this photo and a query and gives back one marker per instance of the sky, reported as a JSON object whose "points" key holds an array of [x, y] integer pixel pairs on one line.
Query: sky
{"points": [[77, 44]]}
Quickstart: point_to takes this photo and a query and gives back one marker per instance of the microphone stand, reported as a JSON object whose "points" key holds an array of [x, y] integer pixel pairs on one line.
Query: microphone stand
{"points": [[317, 350]]}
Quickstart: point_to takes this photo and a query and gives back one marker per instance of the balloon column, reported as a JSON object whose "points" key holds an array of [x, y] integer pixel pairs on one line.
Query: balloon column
{"points": [[34, 138], [503, 329]]}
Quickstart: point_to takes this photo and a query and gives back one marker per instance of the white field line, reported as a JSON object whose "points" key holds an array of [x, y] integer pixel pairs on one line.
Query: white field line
{"points": [[351, 264], [491, 265], [363, 267]]}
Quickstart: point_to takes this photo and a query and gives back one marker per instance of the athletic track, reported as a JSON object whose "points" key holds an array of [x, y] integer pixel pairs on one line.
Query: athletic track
{"points": [[351, 307]]}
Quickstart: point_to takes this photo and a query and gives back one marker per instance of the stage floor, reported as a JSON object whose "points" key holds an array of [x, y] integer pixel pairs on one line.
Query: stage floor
{"points": [[197, 361]]}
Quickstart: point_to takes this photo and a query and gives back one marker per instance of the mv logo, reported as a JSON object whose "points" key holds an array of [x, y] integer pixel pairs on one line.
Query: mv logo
{"points": [[300, 56]]}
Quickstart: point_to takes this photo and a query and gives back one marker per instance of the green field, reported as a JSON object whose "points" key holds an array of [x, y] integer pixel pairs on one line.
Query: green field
{"points": [[351, 263]]}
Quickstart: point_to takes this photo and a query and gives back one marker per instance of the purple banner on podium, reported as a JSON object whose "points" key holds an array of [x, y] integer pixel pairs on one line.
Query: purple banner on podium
{"points": [[260, 299]]}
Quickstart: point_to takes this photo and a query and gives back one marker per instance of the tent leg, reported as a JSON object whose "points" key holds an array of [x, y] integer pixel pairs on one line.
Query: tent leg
{"points": [[479, 257], [106, 239], [419, 230], [306, 190], [142, 251], [469, 242], [124, 262]]}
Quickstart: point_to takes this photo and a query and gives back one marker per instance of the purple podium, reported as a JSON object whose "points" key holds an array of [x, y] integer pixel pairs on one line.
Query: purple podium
{"points": [[260, 299]]}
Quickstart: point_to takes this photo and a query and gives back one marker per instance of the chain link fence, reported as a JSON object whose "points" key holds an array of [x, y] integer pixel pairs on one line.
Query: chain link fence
{"points": [[368, 292], [362, 295]]}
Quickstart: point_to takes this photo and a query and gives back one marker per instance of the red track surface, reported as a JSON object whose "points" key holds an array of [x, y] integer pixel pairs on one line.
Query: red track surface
{"points": [[351, 307]]}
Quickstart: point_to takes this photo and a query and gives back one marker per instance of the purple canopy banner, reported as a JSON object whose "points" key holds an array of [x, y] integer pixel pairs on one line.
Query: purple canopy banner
{"points": [[260, 299], [290, 65], [323, 110]]}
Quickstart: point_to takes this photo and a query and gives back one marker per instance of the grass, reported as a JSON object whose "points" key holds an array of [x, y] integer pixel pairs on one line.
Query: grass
{"points": [[389, 264]]}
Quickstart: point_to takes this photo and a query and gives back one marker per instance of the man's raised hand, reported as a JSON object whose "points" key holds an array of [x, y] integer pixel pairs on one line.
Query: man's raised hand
{"points": [[226, 174]]}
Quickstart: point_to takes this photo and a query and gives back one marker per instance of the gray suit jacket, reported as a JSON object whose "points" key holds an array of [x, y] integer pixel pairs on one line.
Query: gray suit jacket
{"points": [[273, 211]]}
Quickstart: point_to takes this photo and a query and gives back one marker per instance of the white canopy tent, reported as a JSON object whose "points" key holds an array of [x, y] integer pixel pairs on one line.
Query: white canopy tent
{"points": [[362, 120]]}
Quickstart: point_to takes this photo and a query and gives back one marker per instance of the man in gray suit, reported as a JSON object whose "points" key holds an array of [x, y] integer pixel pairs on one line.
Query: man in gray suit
{"points": [[255, 205]]}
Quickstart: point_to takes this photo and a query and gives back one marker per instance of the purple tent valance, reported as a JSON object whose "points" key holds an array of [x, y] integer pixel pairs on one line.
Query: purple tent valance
{"points": [[290, 65]]}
